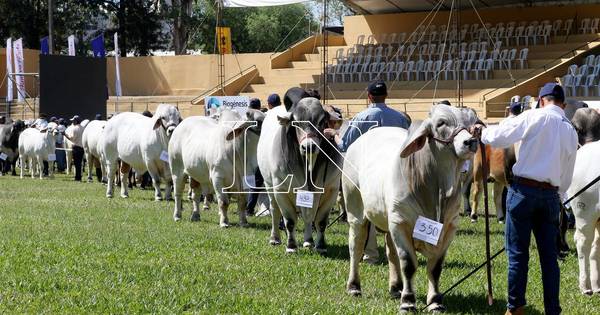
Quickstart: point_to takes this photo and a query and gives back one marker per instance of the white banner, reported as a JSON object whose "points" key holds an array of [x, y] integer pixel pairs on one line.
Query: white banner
{"points": [[258, 3], [19, 68], [9, 82], [118, 91], [238, 103], [71, 40]]}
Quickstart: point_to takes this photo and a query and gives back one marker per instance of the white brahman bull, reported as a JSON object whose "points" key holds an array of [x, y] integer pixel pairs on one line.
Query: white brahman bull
{"points": [[293, 155], [35, 145], [393, 176], [140, 143], [215, 155], [586, 208], [92, 145]]}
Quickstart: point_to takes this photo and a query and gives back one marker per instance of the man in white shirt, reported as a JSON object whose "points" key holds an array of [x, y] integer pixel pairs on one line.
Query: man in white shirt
{"points": [[75, 134], [542, 173]]}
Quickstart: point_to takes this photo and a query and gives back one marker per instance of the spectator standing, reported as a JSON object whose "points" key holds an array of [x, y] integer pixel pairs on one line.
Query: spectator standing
{"points": [[542, 173], [75, 134]]}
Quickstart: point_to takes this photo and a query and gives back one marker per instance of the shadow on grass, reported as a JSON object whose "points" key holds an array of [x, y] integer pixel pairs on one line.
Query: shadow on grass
{"points": [[469, 232], [477, 304]]}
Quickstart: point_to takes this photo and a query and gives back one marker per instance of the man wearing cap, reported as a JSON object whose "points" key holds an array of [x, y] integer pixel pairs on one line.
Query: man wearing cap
{"points": [[542, 173], [75, 134], [273, 101], [378, 114], [258, 179]]}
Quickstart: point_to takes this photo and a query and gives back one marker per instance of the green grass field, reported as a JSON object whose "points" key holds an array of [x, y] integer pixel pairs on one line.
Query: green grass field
{"points": [[65, 248]]}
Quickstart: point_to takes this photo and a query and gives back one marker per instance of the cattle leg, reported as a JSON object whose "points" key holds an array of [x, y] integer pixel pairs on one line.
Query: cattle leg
{"points": [[498, 188], [40, 163], [395, 283], [154, 173], [275, 238], [595, 261], [50, 169], [178, 182], [22, 165], [357, 238], [241, 202], [90, 166], [584, 236], [322, 219], [476, 190], [223, 202], [196, 199], [563, 246], [124, 173], [401, 235], [434, 271], [110, 178], [466, 195]]}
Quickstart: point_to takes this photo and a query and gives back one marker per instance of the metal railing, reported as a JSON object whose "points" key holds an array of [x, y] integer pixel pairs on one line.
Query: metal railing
{"points": [[218, 86], [132, 106]]}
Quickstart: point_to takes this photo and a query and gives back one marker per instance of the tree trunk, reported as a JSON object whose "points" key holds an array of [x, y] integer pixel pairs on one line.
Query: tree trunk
{"points": [[182, 10]]}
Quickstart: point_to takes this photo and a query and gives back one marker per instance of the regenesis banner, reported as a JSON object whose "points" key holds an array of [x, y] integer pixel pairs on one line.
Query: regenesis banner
{"points": [[237, 103]]}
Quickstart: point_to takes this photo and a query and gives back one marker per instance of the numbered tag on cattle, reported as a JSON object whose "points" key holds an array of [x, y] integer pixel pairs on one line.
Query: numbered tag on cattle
{"points": [[249, 182], [427, 230], [3, 156], [51, 157], [164, 156], [304, 199]]}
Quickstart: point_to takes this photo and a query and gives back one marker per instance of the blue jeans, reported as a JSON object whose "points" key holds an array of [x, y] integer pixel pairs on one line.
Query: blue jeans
{"points": [[532, 209]]}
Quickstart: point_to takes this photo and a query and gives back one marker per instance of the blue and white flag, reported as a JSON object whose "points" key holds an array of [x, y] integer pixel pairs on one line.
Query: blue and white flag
{"points": [[71, 41], [45, 48], [118, 91], [98, 46]]}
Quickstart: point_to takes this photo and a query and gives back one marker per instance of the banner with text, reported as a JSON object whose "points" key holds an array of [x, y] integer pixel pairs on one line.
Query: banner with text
{"points": [[9, 67], [19, 68], [238, 103], [71, 41], [117, 69]]}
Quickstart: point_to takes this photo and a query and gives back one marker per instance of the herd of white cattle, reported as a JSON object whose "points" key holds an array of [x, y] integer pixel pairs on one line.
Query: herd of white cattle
{"points": [[390, 177]]}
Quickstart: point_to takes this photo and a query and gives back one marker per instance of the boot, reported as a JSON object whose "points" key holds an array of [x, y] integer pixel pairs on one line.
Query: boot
{"points": [[516, 311]]}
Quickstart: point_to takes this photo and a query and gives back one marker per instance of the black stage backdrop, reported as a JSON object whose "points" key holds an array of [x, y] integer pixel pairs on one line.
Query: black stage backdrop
{"points": [[71, 85]]}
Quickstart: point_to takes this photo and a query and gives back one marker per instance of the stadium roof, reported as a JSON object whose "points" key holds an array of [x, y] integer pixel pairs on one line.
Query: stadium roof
{"points": [[399, 6]]}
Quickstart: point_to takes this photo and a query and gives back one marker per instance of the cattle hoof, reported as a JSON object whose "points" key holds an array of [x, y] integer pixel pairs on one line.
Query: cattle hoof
{"points": [[394, 294], [587, 292], [275, 242], [307, 245], [291, 250], [124, 196], [354, 292], [157, 198], [436, 308], [473, 220], [224, 225], [109, 195], [177, 218], [206, 208], [408, 308], [195, 217]]}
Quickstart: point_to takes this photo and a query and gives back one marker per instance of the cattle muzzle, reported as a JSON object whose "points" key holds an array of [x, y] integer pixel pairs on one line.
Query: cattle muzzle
{"points": [[309, 143], [169, 128], [471, 143]]}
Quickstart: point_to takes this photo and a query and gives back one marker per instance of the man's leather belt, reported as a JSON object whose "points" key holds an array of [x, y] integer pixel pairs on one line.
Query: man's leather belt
{"points": [[533, 183]]}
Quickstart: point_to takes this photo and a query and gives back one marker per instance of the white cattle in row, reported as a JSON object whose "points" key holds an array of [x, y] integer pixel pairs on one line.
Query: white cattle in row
{"points": [[140, 143], [297, 163], [391, 178], [216, 155], [92, 145], [586, 208], [34, 147]]}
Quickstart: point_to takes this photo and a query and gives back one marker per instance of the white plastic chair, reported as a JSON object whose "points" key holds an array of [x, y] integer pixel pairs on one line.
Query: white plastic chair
{"points": [[339, 56], [479, 66], [594, 25], [360, 40], [526, 102], [530, 34], [419, 65], [567, 26], [523, 57], [427, 69], [588, 84], [473, 46], [466, 69], [572, 70], [515, 99], [409, 69], [447, 68], [519, 34], [510, 58], [584, 26], [376, 70], [437, 69], [583, 70], [546, 32], [575, 83], [495, 56], [556, 27], [390, 70], [399, 70], [502, 59], [472, 55], [509, 34], [589, 60]]}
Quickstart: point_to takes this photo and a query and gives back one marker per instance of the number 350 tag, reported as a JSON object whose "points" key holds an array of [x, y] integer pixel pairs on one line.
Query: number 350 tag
{"points": [[427, 230]]}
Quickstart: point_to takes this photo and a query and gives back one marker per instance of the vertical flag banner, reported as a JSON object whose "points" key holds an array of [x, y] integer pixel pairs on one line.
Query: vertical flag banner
{"points": [[9, 82], [44, 47], [117, 70], [98, 46], [19, 68], [71, 41], [224, 39]]}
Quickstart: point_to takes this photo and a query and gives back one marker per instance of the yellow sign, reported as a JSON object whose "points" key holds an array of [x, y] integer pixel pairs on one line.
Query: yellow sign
{"points": [[224, 40]]}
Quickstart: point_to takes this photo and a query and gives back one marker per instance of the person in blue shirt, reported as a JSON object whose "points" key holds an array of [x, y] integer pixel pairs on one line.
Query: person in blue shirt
{"points": [[377, 115]]}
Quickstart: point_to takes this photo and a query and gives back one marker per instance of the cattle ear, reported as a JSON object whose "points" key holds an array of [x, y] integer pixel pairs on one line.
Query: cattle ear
{"points": [[238, 129], [156, 123], [416, 139], [284, 119]]}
